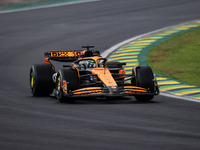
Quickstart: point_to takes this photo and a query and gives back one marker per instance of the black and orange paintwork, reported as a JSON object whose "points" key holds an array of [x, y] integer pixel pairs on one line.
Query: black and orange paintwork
{"points": [[110, 88]]}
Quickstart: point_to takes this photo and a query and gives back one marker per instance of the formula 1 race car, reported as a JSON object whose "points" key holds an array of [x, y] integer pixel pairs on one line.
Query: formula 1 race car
{"points": [[86, 73]]}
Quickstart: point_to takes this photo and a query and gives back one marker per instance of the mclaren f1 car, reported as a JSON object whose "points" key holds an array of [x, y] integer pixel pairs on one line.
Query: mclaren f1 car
{"points": [[86, 73]]}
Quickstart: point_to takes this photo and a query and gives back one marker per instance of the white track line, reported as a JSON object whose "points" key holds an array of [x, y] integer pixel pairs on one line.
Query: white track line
{"points": [[47, 6], [179, 97], [115, 47]]}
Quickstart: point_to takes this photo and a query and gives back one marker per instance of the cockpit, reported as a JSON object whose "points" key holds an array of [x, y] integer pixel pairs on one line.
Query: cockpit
{"points": [[91, 63]]}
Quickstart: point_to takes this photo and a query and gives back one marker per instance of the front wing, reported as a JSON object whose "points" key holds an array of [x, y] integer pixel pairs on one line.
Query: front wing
{"points": [[103, 91]]}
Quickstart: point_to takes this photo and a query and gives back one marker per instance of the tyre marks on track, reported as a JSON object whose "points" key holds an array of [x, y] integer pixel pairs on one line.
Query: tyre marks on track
{"points": [[135, 52]]}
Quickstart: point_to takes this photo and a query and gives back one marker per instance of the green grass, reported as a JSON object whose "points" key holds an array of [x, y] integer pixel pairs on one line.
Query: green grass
{"points": [[178, 57]]}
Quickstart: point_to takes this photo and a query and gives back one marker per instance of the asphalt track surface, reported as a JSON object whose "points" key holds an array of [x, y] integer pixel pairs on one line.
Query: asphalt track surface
{"points": [[38, 123]]}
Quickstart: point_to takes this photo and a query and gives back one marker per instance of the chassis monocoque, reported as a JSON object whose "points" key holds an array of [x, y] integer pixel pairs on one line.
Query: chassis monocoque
{"points": [[89, 74]]}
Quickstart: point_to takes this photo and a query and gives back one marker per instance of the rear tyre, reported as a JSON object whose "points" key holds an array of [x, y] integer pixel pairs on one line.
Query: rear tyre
{"points": [[69, 75], [144, 78], [41, 81]]}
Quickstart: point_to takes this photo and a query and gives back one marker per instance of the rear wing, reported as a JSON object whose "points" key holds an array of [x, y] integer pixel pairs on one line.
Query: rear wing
{"points": [[67, 56], [70, 56]]}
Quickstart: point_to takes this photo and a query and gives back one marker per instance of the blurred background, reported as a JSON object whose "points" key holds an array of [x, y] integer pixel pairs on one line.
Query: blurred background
{"points": [[5, 3]]}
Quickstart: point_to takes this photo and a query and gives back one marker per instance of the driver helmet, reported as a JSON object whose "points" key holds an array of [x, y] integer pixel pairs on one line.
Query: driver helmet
{"points": [[91, 64]]}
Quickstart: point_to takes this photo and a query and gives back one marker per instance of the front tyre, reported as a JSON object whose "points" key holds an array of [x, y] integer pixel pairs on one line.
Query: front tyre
{"points": [[67, 81], [145, 79], [41, 81], [59, 88]]}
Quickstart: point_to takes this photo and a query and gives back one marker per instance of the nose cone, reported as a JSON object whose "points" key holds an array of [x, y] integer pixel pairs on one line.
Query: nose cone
{"points": [[113, 89], [105, 76]]}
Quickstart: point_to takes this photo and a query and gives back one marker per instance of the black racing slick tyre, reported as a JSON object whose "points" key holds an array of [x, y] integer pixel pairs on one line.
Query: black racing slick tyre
{"points": [[145, 79], [69, 77], [41, 81]]}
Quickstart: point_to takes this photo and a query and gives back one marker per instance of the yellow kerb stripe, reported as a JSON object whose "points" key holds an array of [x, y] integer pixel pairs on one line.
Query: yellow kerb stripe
{"points": [[143, 44], [163, 83], [161, 78], [122, 58], [182, 28], [130, 49], [136, 53], [188, 92], [144, 41], [124, 48], [132, 64], [190, 26], [172, 88], [154, 37], [129, 60]]}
